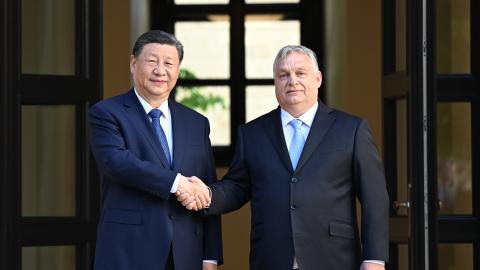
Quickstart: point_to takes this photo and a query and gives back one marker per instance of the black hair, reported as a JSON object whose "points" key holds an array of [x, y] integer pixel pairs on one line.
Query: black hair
{"points": [[157, 36]]}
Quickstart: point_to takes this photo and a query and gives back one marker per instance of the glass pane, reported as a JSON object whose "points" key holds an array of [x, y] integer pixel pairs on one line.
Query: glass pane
{"points": [[196, 2], [214, 103], [207, 47], [48, 160], [400, 35], [271, 1], [260, 100], [48, 37], [455, 256], [49, 258], [264, 36], [454, 160], [402, 257], [402, 169], [453, 36]]}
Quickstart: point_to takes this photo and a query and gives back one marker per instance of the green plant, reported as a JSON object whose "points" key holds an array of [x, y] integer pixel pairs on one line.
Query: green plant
{"points": [[193, 96]]}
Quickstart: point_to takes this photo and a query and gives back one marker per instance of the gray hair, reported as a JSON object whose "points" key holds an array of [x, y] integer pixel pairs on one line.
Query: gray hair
{"points": [[285, 51]]}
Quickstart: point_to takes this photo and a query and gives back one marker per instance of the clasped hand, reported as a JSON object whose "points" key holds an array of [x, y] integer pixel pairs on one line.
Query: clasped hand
{"points": [[193, 193]]}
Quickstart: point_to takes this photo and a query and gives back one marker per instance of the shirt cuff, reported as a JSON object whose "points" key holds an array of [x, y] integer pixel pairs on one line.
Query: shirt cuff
{"points": [[175, 183], [211, 261], [375, 262]]}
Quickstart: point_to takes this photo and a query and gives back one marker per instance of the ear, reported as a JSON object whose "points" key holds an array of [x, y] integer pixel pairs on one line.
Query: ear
{"points": [[319, 78], [133, 63]]}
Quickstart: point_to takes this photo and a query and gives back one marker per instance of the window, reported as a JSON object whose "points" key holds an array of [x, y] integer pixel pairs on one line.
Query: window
{"points": [[227, 72]]}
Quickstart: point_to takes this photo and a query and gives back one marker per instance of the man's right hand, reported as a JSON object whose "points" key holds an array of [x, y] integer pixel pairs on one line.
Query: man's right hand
{"points": [[193, 193]]}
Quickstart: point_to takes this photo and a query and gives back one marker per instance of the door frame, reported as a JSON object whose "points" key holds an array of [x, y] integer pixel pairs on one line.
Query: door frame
{"points": [[80, 90]]}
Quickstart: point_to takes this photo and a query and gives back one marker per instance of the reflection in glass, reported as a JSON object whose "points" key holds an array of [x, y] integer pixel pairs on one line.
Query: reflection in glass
{"points": [[402, 257], [402, 176], [455, 256], [48, 160], [214, 103], [48, 258], [454, 160], [259, 100], [400, 35], [453, 36], [197, 2], [207, 47], [265, 35], [48, 37]]}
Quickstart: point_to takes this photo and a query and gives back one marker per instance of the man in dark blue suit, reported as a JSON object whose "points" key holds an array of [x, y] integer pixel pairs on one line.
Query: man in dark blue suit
{"points": [[145, 145], [302, 166]]}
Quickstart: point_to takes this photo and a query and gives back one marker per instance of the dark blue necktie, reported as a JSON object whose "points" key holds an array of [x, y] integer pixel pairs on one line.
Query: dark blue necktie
{"points": [[155, 115]]}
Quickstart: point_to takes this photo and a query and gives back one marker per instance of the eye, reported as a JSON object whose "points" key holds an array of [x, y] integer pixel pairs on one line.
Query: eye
{"points": [[151, 62]]}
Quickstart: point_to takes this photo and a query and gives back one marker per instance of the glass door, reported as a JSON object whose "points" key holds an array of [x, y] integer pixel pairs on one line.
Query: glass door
{"points": [[50, 188], [405, 131]]}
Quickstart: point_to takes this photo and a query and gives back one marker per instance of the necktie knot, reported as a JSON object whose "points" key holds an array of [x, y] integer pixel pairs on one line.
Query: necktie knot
{"points": [[155, 113], [296, 123]]}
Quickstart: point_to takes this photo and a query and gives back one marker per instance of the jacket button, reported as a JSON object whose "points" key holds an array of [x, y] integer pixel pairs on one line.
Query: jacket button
{"points": [[293, 206], [294, 180], [172, 217]]}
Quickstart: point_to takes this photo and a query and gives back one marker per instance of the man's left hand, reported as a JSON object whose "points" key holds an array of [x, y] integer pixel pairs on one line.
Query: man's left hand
{"points": [[371, 266], [209, 266]]}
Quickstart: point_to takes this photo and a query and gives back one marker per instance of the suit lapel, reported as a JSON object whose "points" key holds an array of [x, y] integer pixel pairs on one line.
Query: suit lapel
{"points": [[179, 134], [274, 129], [320, 125], [141, 122]]}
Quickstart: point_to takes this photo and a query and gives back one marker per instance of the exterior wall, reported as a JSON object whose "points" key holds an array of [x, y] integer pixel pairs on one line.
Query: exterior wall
{"points": [[116, 42], [354, 60]]}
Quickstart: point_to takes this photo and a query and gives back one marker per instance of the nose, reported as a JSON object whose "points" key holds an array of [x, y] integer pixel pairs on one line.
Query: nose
{"points": [[292, 79], [160, 69]]}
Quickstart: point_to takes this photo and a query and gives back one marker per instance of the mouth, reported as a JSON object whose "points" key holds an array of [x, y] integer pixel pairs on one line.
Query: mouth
{"points": [[158, 82], [293, 91]]}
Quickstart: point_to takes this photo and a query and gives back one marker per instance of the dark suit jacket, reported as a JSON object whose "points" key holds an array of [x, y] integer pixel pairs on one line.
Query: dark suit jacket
{"points": [[140, 219], [309, 212]]}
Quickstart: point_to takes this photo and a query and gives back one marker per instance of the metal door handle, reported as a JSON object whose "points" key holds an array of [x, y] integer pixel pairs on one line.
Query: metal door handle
{"points": [[397, 205]]}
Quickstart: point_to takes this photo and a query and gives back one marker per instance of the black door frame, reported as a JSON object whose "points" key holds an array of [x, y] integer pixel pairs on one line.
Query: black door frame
{"points": [[416, 84], [80, 90]]}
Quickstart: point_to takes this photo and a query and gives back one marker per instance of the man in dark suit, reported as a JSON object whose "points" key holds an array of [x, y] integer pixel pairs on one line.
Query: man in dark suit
{"points": [[302, 166], [145, 144]]}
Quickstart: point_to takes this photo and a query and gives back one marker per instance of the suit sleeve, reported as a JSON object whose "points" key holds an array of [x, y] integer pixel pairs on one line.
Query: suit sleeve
{"points": [[371, 190], [212, 224], [121, 165], [233, 191]]}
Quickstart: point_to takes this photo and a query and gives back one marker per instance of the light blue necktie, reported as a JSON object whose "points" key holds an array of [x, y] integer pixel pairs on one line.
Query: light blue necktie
{"points": [[155, 115], [296, 145]]}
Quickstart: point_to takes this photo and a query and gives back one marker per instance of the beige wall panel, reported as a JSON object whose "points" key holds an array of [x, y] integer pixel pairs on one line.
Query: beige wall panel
{"points": [[116, 47]]}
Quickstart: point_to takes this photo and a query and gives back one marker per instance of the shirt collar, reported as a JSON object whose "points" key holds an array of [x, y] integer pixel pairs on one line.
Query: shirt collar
{"points": [[147, 107], [307, 117]]}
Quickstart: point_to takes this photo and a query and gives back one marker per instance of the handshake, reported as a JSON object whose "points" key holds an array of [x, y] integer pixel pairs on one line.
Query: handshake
{"points": [[193, 193]]}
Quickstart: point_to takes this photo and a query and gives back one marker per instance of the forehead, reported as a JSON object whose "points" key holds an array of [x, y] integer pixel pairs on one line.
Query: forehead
{"points": [[157, 49], [295, 60]]}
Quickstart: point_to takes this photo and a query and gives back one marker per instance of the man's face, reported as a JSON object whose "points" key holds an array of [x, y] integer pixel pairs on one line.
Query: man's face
{"points": [[155, 71], [296, 82]]}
